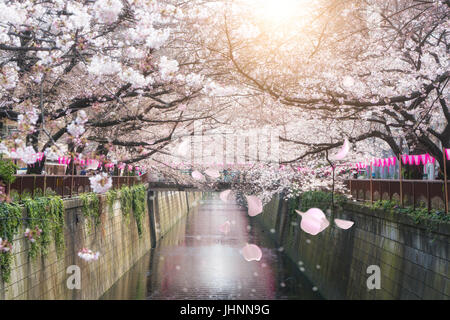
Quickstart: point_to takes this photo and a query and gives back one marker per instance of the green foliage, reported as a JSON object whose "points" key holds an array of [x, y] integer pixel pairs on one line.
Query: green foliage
{"points": [[111, 196], [293, 204], [7, 171], [386, 205], [10, 221], [14, 195], [319, 199], [38, 193], [126, 201], [25, 195], [418, 214], [38, 211], [57, 213], [139, 194], [45, 213], [91, 209]]}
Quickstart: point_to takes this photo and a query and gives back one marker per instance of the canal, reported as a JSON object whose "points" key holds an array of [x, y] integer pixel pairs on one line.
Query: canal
{"points": [[194, 260]]}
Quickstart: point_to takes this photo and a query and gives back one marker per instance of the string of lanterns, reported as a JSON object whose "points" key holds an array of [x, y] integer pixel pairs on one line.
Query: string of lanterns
{"points": [[416, 159]]}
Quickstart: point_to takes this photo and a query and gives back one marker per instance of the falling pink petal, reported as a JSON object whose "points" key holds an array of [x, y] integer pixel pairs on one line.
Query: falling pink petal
{"points": [[251, 252], [225, 227], [314, 221], [344, 151], [343, 224], [213, 173], [224, 195], [197, 175], [255, 206]]}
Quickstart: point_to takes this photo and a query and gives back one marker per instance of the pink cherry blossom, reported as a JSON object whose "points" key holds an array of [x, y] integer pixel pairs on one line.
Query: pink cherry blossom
{"points": [[255, 206], [313, 221], [252, 252], [343, 224]]}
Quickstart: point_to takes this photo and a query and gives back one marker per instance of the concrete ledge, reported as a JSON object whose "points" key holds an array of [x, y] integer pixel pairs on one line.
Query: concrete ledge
{"points": [[440, 227]]}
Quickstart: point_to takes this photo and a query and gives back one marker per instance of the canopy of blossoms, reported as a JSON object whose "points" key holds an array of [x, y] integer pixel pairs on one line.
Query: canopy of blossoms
{"points": [[127, 81]]}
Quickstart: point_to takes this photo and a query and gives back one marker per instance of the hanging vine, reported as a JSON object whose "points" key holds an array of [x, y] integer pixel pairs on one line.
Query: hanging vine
{"points": [[10, 221], [126, 202], [111, 197], [57, 213], [139, 195], [91, 209], [39, 215]]}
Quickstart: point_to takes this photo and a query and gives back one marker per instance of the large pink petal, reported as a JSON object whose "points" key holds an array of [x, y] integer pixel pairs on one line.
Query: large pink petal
{"points": [[224, 195], [313, 221], [255, 206], [252, 252], [343, 224], [213, 173], [197, 175], [225, 227], [344, 151]]}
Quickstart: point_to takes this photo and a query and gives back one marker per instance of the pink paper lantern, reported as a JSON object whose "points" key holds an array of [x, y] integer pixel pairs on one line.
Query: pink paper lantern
{"points": [[411, 159], [405, 158], [424, 159]]}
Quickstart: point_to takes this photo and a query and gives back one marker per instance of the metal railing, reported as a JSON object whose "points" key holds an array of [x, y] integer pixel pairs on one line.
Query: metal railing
{"points": [[409, 192], [63, 185]]}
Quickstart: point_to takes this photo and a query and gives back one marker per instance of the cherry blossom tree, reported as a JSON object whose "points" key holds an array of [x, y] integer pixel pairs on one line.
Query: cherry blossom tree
{"points": [[364, 70], [105, 77]]}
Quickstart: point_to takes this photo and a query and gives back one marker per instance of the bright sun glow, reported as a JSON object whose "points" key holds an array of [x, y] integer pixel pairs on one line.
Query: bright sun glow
{"points": [[279, 10]]}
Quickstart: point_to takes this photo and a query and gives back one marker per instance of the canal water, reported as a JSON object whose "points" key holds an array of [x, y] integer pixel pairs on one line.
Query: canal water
{"points": [[194, 260]]}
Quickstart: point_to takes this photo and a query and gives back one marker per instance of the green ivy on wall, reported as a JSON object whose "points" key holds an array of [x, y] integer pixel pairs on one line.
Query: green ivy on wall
{"points": [[126, 202], [10, 221], [48, 214], [57, 213], [139, 194], [111, 197], [91, 209], [38, 212]]}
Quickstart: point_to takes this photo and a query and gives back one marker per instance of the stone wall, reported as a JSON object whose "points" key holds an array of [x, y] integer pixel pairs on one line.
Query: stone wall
{"points": [[413, 257], [115, 238]]}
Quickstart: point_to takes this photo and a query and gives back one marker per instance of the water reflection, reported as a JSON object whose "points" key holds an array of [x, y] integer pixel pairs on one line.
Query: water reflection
{"points": [[195, 261]]}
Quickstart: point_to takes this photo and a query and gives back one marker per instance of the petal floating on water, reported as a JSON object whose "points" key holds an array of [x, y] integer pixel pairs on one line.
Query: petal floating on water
{"points": [[252, 252]]}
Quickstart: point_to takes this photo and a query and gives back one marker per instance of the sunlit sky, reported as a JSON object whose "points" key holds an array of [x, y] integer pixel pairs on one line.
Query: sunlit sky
{"points": [[279, 10]]}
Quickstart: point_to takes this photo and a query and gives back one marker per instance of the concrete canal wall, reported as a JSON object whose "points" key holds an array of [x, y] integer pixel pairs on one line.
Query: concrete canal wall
{"points": [[116, 238], [413, 257]]}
